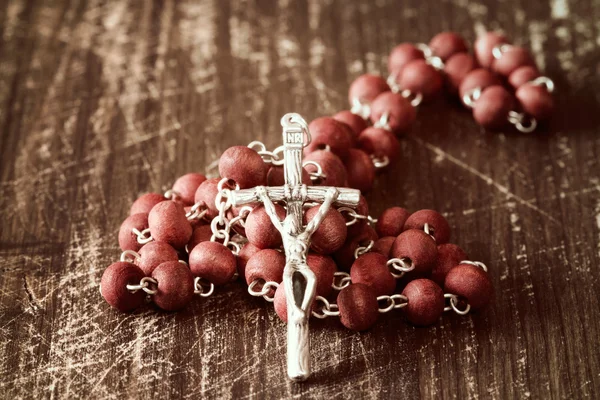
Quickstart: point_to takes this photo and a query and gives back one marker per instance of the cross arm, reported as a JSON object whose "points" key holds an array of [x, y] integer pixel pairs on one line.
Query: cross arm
{"points": [[346, 197]]}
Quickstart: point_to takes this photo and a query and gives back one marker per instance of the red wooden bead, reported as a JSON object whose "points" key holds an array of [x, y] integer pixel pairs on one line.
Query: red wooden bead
{"points": [[419, 247], [391, 222], [438, 225], [401, 114], [324, 269], [187, 185], [371, 269], [485, 44], [267, 265], [244, 255], [332, 166], [206, 193], [214, 262], [425, 302], [201, 233], [113, 286], [446, 44], [492, 108], [280, 303], [522, 75], [457, 68], [358, 307], [344, 257], [128, 239], [420, 77], [260, 230], [536, 101], [331, 234], [478, 78], [512, 59], [383, 245], [355, 122], [449, 256], [276, 177], [360, 170], [326, 131], [379, 143], [168, 224], [145, 203], [470, 282], [402, 55], [155, 253], [175, 288], [366, 88], [244, 166]]}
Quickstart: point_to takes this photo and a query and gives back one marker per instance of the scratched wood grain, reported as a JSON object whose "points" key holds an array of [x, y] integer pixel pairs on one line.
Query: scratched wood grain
{"points": [[102, 101]]}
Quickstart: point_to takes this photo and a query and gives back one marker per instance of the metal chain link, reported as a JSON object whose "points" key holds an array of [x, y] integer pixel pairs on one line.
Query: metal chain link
{"points": [[341, 280], [399, 266], [454, 305], [326, 309], [355, 216], [144, 285], [264, 291], [360, 250], [269, 157], [144, 236], [197, 212], [475, 263], [130, 256], [203, 287], [317, 176], [523, 122], [395, 301]]}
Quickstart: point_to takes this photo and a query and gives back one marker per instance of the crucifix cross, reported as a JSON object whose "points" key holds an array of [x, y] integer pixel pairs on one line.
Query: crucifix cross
{"points": [[298, 280]]}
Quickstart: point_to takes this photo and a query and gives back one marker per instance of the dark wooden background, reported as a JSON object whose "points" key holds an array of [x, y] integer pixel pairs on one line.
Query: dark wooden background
{"points": [[102, 101]]}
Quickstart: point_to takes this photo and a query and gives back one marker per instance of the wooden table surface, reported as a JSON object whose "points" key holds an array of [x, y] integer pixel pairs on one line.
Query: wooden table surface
{"points": [[103, 101]]}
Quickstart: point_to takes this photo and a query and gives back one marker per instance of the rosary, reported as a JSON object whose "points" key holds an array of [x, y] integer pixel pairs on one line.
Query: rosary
{"points": [[300, 233]]}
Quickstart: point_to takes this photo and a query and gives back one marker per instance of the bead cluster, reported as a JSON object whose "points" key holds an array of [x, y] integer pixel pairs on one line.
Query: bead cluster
{"points": [[191, 239], [499, 82]]}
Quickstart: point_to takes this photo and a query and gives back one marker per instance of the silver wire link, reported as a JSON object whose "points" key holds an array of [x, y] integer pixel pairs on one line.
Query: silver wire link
{"points": [[130, 256], [326, 309], [383, 122], [360, 250], [144, 285], [380, 162], [241, 217], [471, 97], [341, 280], [544, 81], [264, 291], [523, 122], [234, 247], [430, 58], [317, 176], [144, 236], [475, 263], [429, 230], [393, 302], [223, 203], [454, 305], [360, 108], [197, 212], [393, 83], [203, 287], [172, 195], [269, 157], [399, 266], [355, 217], [415, 98], [500, 49]]}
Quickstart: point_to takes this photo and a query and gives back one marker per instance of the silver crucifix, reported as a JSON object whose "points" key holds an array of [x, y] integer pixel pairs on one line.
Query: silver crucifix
{"points": [[299, 281]]}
